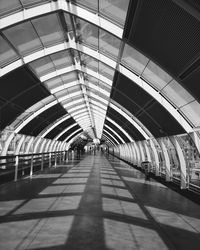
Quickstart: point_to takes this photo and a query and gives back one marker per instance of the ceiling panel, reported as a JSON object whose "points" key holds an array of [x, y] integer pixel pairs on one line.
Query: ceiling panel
{"points": [[126, 125], [27, 43], [19, 90], [43, 120], [164, 32], [69, 132], [58, 129], [117, 130]]}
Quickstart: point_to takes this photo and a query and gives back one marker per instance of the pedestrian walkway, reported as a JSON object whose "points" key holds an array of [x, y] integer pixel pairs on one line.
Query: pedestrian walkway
{"points": [[96, 203]]}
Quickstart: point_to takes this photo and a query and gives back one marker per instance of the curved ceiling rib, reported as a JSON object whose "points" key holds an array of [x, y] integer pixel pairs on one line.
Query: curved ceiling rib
{"points": [[113, 131], [108, 139], [111, 136], [69, 7], [87, 59], [144, 85]]}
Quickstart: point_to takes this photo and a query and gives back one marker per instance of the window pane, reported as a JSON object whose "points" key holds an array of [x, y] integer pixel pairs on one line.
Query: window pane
{"points": [[42, 66], [7, 54], [49, 30], [33, 2], [70, 77], [74, 89], [92, 4], [89, 62], [177, 94], [156, 76], [7, 6], [86, 33], [61, 59], [108, 43], [26, 43], [53, 83], [115, 10], [133, 59], [106, 71], [192, 111]]}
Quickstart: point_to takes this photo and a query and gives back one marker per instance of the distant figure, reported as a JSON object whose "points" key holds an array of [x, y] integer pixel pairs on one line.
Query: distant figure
{"points": [[147, 171]]}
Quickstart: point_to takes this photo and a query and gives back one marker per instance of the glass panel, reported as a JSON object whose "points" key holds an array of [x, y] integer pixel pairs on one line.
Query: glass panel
{"points": [[7, 54], [173, 158], [62, 59], [33, 2], [133, 59], [61, 93], [89, 62], [192, 112], [115, 10], [106, 71], [26, 43], [96, 82], [72, 76], [42, 66], [74, 89], [49, 30], [156, 76], [92, 4], [72, 102], [192, 158], [79, 111], [108, 43], [177, 94], [7, 6], [53, 83], [86, 33]]}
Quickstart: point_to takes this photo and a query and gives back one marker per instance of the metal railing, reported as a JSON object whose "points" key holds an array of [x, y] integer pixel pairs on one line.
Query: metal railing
{"points": [[13, 167]]}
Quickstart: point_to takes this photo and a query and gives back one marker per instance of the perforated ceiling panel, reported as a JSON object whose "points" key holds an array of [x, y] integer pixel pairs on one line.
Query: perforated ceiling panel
{"points": [[166, 33]]}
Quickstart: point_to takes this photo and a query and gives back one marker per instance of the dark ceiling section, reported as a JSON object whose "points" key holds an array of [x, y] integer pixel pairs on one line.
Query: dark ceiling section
{"points": [[166, 33], [69, 132], [19, 90], [126, 125], [117, 130], [43, 120], [58, 129], [144, 107], [165, 124]]}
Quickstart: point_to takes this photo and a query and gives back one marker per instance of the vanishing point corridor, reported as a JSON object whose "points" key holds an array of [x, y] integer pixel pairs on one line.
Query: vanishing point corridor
{"points": [[97, 202]]}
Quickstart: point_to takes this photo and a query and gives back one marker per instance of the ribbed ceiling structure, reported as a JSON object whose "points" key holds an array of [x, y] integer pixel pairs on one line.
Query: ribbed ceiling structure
{"points": [[113, 70]]}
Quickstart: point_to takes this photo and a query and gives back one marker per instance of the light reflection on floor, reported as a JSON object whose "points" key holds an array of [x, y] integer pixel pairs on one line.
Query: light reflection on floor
{"points": [[50, 216], [8, 206], [120, 235], [143, 181], [176, 220]]}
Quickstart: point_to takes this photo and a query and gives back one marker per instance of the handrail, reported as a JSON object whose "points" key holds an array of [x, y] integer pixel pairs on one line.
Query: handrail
{"points": [[13, 167]]}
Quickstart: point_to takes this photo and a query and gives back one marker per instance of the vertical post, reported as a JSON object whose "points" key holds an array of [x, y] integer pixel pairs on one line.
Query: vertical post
{"points": [[66, 156], [55, 159], [63, 156], [168, 175], [42, 162], [31, 169], [49, 160], [16, 166], [60, 157]]}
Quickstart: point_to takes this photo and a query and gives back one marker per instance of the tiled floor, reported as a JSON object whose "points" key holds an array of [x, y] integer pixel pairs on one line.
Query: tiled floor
{"points": [[92, 204]]}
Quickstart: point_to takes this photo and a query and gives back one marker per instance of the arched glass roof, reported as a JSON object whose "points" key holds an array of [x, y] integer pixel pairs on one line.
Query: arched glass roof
{"points": [[91, 75]]}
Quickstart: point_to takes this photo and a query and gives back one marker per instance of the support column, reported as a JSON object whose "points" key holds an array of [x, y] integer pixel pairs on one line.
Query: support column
{"points": [[156, 157], [183, 165], [167, 162]]}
